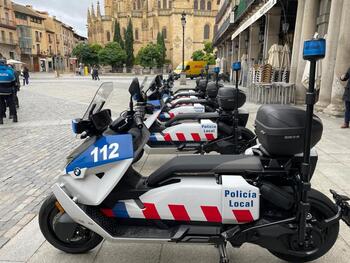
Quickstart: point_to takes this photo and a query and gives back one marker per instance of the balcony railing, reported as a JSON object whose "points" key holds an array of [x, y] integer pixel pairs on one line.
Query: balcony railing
{"points": [[223, 9], [222, 29], [8, 41], [136, 13], [164, 12], [122, 14], [4, 22], [204, 13]]}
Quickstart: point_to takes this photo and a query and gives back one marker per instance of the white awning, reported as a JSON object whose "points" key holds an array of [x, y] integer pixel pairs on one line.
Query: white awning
{"points": [[255, 17]]}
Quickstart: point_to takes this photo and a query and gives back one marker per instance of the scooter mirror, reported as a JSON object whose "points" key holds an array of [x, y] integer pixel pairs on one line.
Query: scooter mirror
{"points": [[135, 90]]}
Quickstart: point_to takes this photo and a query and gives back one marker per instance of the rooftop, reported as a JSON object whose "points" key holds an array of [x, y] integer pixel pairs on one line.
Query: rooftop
{"points": [[26, 10]]}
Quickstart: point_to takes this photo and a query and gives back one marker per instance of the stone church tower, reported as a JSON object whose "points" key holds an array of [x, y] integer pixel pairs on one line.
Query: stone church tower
{"points": [[152, 16]]}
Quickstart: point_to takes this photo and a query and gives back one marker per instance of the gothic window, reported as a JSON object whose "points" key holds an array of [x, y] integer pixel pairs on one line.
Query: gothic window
{"points": [[124, 32], [170, 3], [209, 5], [159, 4], [206, 32], [136, 34], [108, 36], [164, 33], [202, 5], [134, 5], [195, 5], [139, 4], [165, 4]]}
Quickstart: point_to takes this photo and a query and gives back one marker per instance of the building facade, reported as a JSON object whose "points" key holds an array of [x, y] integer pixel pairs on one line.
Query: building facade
{"points": [[45, 43], [248, 28], [8, 36], [153, 16]]}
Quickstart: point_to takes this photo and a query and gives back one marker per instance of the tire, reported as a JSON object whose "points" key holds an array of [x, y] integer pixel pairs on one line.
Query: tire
{"points": [[47, 213], [139, 156], [321, 208]]}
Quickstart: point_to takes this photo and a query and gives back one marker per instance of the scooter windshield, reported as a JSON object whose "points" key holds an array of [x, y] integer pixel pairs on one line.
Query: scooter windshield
{"points": [[99, 100]]}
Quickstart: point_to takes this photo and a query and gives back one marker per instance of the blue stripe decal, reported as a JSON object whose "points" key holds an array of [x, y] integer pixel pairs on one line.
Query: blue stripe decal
{"points": [[119, 210], [153, 138]]}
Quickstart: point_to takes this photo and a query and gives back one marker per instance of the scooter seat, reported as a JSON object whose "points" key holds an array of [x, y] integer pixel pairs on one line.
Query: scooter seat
{"points": [[199, 164]]}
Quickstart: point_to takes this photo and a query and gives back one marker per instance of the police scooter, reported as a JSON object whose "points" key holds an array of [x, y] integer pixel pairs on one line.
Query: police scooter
{"points": [[264, 199]]}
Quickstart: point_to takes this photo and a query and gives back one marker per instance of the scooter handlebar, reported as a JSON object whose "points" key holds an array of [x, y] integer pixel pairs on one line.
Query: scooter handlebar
{"points": [[138, 120]]}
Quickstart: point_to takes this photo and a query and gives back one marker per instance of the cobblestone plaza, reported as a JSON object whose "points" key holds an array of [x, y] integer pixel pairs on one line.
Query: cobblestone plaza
{"points": [[33, 153]]}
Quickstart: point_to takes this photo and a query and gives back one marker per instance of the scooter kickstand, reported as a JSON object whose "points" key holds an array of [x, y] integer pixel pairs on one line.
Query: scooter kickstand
{"points": [[223, 252]]}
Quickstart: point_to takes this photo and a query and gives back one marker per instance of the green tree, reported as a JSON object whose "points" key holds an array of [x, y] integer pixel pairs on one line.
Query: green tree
{"points": [[162, 48], [129, 44], [149, 56], [117, 35], [87, 54], [208, 47], [112, 54], [198, 55]]}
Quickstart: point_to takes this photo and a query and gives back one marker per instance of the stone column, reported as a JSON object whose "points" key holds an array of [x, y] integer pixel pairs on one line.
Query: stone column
{"points": [[296, 42], [254, 45], [308, 30], [273, 22], [329, 62], [336, 108], [242, 45]]}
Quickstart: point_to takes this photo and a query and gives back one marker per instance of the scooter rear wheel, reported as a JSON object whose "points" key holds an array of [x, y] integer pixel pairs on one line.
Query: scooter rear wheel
{"points": [[321, 208], [83, 242]]}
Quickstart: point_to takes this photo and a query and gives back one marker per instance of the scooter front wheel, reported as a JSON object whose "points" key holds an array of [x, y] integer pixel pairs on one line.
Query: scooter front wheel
{"points": [[321, 239], [83, 239]]}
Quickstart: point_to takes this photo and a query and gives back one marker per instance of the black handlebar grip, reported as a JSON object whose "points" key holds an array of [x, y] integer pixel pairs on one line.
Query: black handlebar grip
{"points": [[138, 121]]}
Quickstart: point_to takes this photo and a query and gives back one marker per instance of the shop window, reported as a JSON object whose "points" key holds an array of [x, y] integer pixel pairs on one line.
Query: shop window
{"points": [[209, 5], [202, 7], [164, 33], [195, 5], [206, 32]]}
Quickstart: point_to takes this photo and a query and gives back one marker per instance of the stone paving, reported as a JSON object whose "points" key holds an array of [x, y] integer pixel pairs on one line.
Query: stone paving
{"points": [[33, 152]]}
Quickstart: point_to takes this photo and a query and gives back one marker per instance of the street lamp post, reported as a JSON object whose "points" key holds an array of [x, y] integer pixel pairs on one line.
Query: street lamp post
{"points": [[183, 74]]}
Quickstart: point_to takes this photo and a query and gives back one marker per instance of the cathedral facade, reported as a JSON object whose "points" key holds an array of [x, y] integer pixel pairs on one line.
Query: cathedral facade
{"points": [[152, 16]]}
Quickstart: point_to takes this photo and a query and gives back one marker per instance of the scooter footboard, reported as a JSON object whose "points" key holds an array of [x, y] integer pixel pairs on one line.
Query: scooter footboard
{"points": [[195, 199]]}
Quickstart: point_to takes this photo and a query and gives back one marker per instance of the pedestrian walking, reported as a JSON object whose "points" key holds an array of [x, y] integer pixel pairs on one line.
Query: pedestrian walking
{"points": [[7, 90], [346, 98], [25, 75], [95, 72], [92, 73], [17, 85]]}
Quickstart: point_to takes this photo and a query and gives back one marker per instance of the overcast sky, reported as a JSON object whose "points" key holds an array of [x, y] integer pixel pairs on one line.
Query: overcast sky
{"points": [[71, 12]]}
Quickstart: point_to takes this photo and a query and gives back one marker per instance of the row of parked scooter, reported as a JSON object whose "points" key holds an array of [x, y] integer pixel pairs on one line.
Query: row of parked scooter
{"points": [[262, 195], [198, 120]]}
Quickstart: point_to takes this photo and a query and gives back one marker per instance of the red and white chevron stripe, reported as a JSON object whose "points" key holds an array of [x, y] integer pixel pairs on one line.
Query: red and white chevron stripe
{"points": [[178, 212], [183, 137]]}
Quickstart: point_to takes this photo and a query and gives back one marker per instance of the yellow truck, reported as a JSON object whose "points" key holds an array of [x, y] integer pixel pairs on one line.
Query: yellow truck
{"points": [[192, 68]]}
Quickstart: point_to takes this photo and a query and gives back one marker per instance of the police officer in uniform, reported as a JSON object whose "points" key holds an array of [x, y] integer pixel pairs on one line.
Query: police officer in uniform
{"points": [[7, 90]]}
